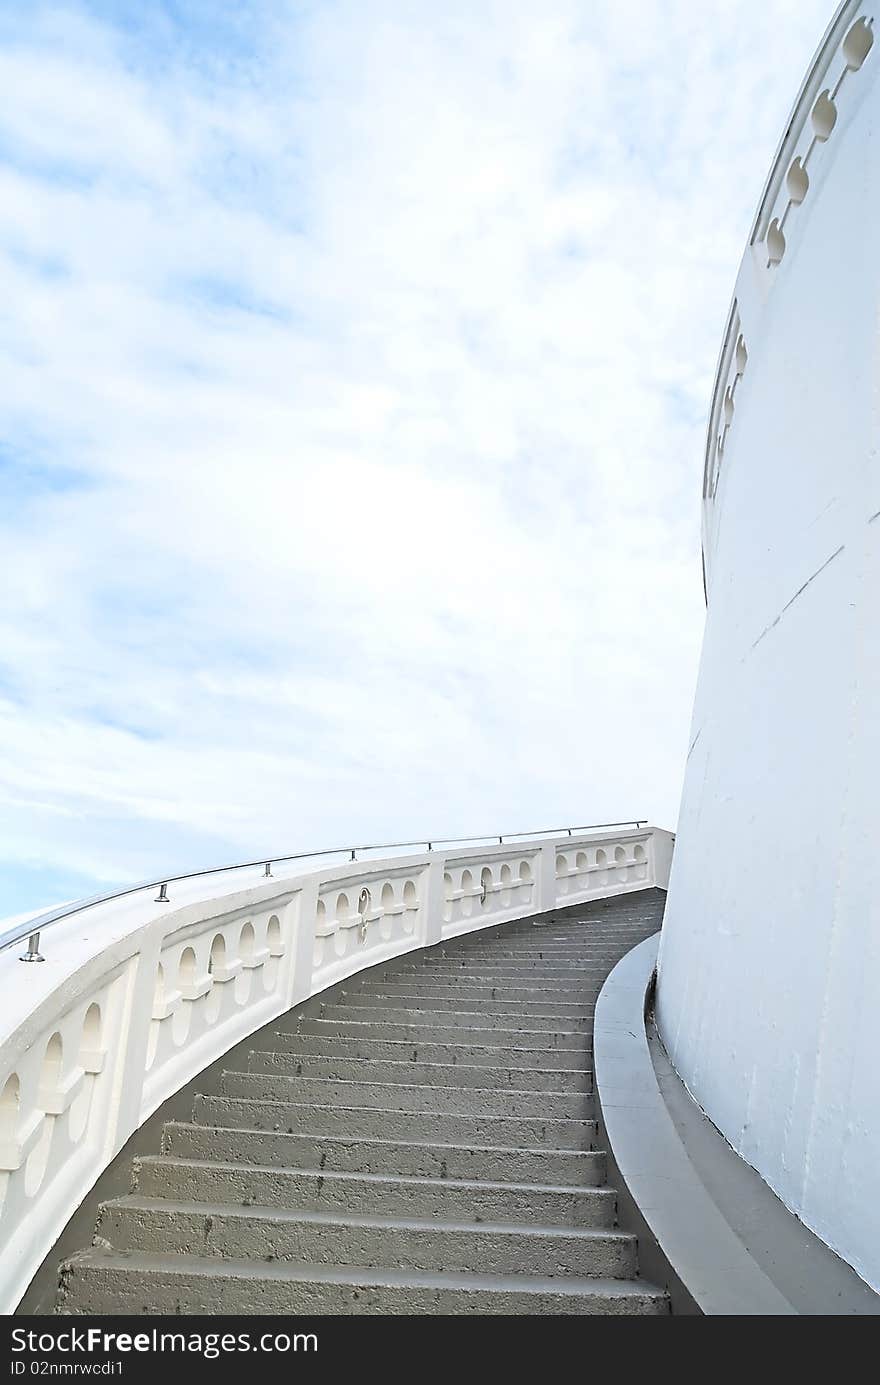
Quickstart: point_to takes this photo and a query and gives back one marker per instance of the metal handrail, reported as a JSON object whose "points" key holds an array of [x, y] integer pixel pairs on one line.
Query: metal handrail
{"points": [[33, 927]]}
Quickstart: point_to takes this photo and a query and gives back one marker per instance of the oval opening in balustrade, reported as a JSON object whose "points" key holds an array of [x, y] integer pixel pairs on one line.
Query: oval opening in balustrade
{"points": [[823, 115], [50, 1072], [410, 894], [775, 242], [581, 860], [89, 1052], [247, 942], [797, 182], [561, 865], [216, 962], [91, 1030], [275, 949], [525, 872], [601, 857], [218, 954], [467, 884], [858, 44], [343, 906], [639, 852], [741, 356], [486, 883], [386, 899], [506, 874], [10, 1101], [186, 968], [50, 1077]]}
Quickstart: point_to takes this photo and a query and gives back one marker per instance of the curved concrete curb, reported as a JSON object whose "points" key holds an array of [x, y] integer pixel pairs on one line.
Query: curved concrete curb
{"points": [[685, 1243]]}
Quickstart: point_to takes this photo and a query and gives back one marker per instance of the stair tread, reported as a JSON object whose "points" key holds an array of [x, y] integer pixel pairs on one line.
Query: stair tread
{"points": [[377, 1140], [398, 1086], [352, 1176], [354, 1274], [394, 1111], [331, 1216], [396, 1065]]}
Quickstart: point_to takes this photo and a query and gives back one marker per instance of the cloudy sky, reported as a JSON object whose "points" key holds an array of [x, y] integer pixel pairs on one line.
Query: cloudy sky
{"points": [[354, 364]]}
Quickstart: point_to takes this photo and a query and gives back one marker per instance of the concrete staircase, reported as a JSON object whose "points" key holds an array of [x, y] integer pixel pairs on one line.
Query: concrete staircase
{"points": [[421, 1140]]}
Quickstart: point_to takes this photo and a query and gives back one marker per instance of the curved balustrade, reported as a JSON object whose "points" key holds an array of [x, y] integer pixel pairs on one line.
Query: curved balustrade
{"points": [[829, 96], [129, 1006]]}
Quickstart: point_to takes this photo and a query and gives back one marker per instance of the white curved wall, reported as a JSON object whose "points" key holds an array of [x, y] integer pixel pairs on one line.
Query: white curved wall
{"points": [[769, 971]]}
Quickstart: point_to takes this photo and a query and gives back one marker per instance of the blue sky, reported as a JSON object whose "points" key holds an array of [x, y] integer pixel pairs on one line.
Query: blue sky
{"points": [[355, 364]]}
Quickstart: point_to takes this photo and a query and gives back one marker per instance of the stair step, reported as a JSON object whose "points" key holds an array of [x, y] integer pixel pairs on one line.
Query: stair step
{"points": [[549, 999], [375, 1050], [391, 1124], [578, 950], [529, 975], [563, 1040], [488, 1014], [578, 1168], [96, 1282], [409, 1070], [463, 1101], [479, 968], [385, 1194], [156, 1225]]}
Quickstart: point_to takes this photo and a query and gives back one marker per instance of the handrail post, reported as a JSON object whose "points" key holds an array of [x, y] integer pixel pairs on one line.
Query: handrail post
{"points": [[162, 896], [33, 953]]}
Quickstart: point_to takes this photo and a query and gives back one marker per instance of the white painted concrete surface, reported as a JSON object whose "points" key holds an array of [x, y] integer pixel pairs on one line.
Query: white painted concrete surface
{"points": [[769, 980], [135, 998]]}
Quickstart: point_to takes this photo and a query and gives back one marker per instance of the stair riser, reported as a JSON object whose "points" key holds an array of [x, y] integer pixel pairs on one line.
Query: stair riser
{"points": [[563, 1041], [367, 1123], [496, 1016], [291, 1046], [399, 1097], [326, 1243], [429, 1074], [574, 1168], [91, 1291], [548, 998], [391, 1195]]}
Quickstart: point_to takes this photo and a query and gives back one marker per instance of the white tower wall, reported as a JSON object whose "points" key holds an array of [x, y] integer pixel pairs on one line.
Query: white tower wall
{"points": [[769, 972]]}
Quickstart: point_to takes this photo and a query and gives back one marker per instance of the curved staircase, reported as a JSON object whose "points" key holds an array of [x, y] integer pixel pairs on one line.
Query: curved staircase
{"points": [[421, 1140]]}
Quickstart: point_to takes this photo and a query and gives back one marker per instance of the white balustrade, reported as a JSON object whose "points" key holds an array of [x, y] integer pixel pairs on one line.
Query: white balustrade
{"points": [[837, 83]]}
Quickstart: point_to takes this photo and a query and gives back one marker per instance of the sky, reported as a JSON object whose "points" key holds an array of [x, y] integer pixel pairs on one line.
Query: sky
{"points": [[355, 358]]}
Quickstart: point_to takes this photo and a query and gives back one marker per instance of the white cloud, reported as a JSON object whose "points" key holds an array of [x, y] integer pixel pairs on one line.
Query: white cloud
{"points": [[354, 371]]}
